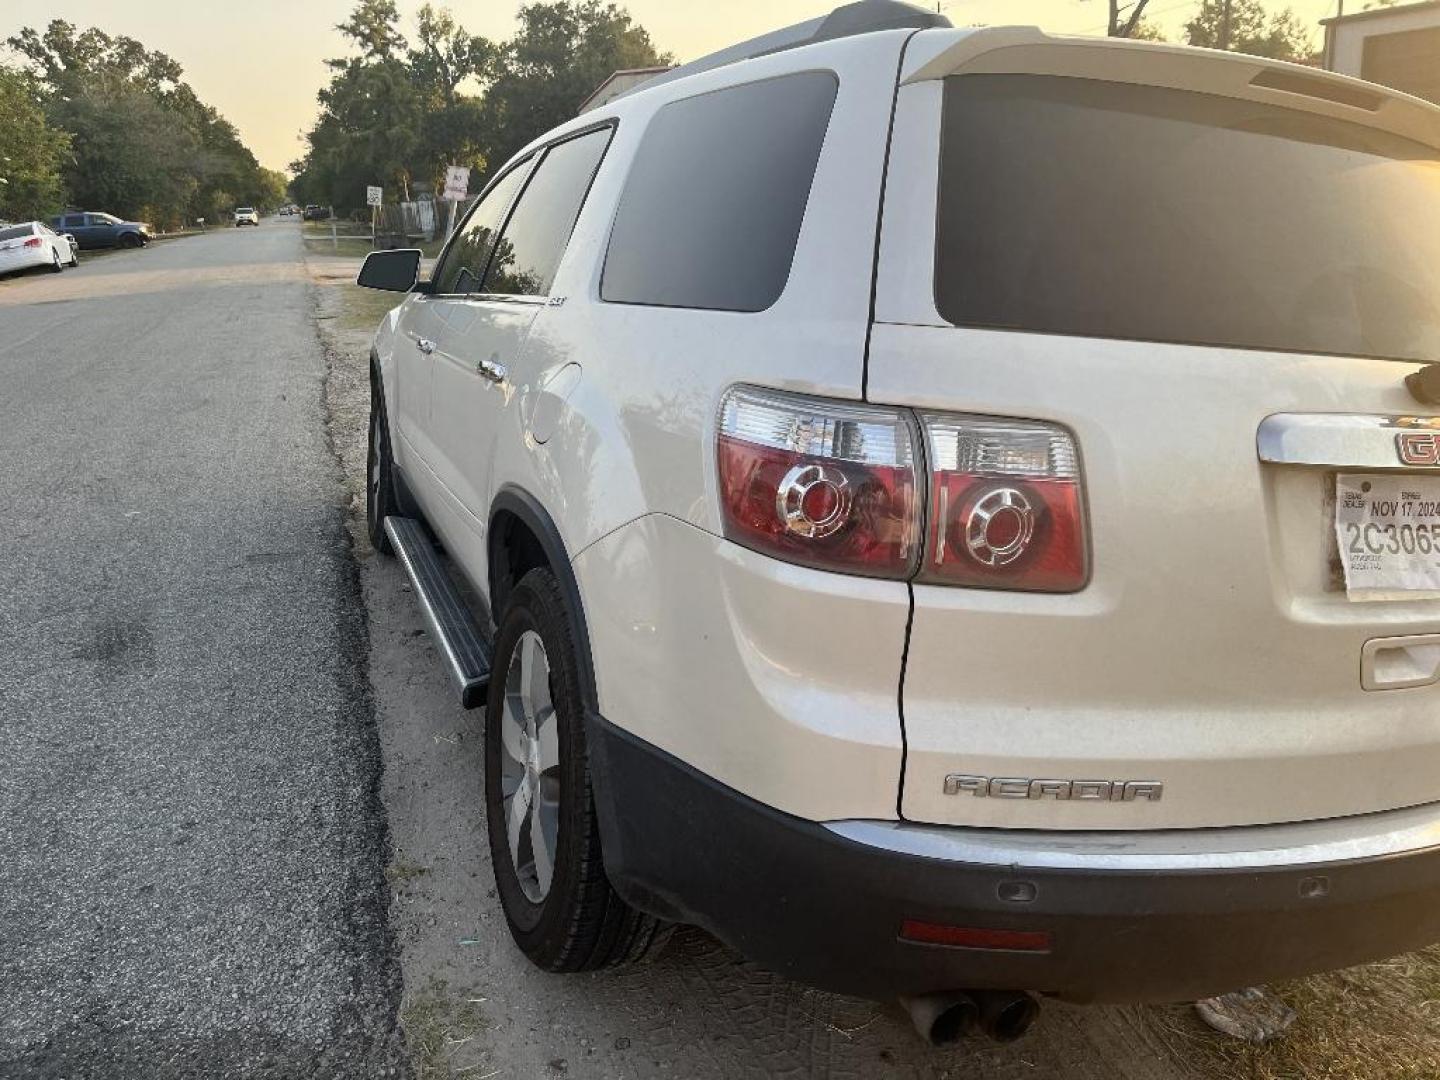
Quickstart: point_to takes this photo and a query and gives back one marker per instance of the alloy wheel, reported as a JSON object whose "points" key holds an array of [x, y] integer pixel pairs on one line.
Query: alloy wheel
{"points": [[530, 767]]}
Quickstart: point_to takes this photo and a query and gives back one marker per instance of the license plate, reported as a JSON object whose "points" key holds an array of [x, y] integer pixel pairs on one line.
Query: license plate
{"points": [[1388, 530]]}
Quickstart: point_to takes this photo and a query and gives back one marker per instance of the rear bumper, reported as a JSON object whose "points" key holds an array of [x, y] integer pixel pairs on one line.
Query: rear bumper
{"points": [[28, 259], [1131, 917]]}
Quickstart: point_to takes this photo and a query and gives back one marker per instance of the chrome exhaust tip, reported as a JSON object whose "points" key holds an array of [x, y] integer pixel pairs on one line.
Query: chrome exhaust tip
{"points": [[1005, 1015], [943, 1019]]}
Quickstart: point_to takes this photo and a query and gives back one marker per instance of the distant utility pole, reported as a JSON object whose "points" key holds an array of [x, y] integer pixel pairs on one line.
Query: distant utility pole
{"points": [[1225, 25]]}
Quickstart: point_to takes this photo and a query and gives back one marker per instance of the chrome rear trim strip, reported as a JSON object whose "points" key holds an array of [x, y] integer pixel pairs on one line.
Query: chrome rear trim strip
{"points": [[1340, 440], [1367, 836]]}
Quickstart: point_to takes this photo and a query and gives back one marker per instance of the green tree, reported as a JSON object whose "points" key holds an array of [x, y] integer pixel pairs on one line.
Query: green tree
{"points": [[445, 55], [452, 124], [562, 51], [373, 26], [1244, 26], [32, 153], [395, 113], [142, 142], [129, 157]]}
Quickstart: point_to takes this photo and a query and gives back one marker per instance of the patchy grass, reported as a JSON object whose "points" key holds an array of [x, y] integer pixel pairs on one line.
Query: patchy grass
{"points": [[397, 873], [361, 309], [1366, 1023], [440, 1034]]}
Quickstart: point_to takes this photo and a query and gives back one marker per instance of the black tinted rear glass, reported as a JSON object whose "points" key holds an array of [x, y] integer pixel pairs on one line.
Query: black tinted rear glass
{"points": [[713, 204], [14, 232], [1074, 206]]}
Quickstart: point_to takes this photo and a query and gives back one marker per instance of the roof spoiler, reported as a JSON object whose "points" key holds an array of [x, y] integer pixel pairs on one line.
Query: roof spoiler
{"points": [[848, 20]]}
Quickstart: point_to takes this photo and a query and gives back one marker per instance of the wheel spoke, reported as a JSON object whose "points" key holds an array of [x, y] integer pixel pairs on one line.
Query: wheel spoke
{"points": [[512, 729], [532, 658], [537, 686], [549, 741], [520, 809], [542, 846]]}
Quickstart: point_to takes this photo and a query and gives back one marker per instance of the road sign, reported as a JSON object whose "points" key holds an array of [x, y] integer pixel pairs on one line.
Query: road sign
{"points": [[374, 196], [457, 182]]}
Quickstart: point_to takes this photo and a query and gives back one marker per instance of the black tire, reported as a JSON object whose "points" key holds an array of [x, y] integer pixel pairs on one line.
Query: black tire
{"points": [[56, 266], [579, 923], [129, 240], [379, 471], [74, 259]]}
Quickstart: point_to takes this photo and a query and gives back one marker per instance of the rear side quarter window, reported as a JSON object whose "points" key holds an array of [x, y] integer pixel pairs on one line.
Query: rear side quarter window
{"points": [[711, 211]]}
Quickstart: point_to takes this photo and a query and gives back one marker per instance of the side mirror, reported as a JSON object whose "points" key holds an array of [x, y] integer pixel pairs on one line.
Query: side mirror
{"points": [[392, 271], [67, 236]]}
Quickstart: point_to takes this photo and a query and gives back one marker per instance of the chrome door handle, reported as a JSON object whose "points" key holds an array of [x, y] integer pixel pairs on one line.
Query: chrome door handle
{"points": [[425, 345], [492, 370]]}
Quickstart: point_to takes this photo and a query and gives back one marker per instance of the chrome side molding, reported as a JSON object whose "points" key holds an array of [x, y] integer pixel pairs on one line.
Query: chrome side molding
{"points": [[1344, 440]]}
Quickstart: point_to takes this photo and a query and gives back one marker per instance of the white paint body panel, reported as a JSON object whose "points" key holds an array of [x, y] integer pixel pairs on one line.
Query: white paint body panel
{"points": [[777, 680], [1211, 650]]}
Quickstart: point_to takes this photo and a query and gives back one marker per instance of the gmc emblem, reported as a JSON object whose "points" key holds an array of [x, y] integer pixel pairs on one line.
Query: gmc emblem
{"points": [[1418, 447]]}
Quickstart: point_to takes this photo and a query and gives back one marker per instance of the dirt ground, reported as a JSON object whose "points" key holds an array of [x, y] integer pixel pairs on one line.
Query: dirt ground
{"points": [[474, 1008]]}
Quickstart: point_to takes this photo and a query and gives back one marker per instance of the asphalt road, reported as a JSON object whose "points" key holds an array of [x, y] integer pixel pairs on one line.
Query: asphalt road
{"points": [[191, 840]]}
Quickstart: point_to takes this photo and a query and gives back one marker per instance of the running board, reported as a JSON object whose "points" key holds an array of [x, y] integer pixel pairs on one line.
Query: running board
{"points": [[466, 653]]}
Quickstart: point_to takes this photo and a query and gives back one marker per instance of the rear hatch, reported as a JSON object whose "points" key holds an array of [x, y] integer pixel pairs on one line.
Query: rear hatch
{"points": [[1212, 275]]}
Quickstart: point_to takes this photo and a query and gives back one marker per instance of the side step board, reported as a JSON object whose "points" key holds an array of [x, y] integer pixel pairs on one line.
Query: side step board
{"points": [[451, 625]]}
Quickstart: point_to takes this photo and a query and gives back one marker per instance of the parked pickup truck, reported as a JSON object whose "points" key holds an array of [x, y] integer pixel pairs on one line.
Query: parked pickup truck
{"points": [[92, 230], [959, 511]]}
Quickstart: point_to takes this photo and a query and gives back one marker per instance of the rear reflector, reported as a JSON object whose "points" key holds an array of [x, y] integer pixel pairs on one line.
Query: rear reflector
{"points": [[1006, 508], [975, 937], [829, 484]]}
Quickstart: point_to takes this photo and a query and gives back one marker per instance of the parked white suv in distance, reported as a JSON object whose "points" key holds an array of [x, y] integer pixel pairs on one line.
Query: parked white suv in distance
{"points": [[246, 215], [953, 513]]}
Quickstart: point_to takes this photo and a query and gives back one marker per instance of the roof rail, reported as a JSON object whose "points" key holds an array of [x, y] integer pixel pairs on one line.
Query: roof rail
{"points": [[861, 17]]}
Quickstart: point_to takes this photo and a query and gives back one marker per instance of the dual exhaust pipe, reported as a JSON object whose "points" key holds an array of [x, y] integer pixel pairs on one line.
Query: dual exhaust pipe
{"points": [[944, 1019]]}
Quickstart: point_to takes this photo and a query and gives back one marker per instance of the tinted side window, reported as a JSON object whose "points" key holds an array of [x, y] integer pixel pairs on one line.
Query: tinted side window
{"points": [[463, 267], [712, 208], [536, 234], [75, 221]]}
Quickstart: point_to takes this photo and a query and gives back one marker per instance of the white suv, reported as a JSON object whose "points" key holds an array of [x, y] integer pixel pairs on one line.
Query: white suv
{"points": [[246, 215], [953, 514]]}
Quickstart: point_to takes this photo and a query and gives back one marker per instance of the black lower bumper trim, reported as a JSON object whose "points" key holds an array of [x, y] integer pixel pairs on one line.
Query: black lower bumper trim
{"points": [[794, 896]]}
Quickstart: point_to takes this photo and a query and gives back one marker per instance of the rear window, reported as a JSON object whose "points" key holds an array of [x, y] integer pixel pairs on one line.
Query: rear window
{"points": [[14, 232], [1073, 206], [712, 207]]}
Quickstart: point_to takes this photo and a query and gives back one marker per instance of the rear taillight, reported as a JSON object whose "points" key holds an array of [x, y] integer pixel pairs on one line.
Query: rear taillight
{"points": [[1006, 507], [826, 483], [34, 241]]}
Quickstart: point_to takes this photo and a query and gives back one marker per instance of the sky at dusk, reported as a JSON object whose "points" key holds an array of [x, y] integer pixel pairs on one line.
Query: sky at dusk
{"points": [[261, 62]]}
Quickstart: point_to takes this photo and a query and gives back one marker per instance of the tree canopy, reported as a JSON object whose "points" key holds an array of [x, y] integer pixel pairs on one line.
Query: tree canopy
{"points": [[398, 110], [32, 152], [1249, 29], [140, 143]]}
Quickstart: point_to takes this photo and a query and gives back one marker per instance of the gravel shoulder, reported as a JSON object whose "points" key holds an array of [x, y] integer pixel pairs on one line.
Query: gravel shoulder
{"points": [[473, 1006]]}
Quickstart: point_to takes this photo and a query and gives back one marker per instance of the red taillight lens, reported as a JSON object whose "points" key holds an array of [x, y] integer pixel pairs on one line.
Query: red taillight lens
{"points": [[1006, 508], [825, 483], [34, 241]]}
